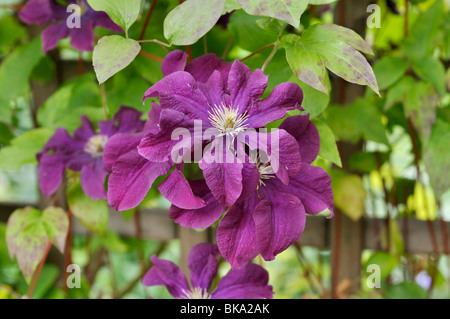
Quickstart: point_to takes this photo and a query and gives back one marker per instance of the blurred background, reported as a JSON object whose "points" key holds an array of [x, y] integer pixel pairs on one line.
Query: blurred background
{"points": [[389, 157]]}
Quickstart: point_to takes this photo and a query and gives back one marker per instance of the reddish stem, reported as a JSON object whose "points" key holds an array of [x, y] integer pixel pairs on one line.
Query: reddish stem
{"points": [[38, 270], [151, 56], [147, 19]]}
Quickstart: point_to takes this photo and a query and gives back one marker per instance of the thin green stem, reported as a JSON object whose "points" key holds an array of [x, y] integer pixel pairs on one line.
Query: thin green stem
{"points": [[162, 44], [271, 55], [258, 51], [104, 101]]}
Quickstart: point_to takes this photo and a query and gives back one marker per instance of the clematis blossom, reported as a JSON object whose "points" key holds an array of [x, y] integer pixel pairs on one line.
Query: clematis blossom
{"points": [[249, 282], [132, 175], [273, 216], [83, 152], [225, 100], [52, 12]]}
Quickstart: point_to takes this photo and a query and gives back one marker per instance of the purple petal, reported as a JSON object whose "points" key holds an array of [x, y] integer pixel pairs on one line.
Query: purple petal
{"points": [[250, 176], [82, 39], [166, 273], [178, 91], [281, 148], [61, 143], [312, 186], [214, 89], [128, 121], [119, 145], [236, 235], [131, 178], [101, 19], [306, 134], [245, 87], [223, 179], [279, 221], [52, 166], [284, 97], [176, 189], [202, 67], [93, 178], [41, 12], [152, 124], [85, 131], [249, 282], [173, 62], [52, 34], [51, 171], [157, 147], [199, 218], [202, 262]]}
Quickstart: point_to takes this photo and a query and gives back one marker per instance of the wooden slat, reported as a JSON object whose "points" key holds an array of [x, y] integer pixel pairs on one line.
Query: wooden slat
{"points": [[157, 225]]}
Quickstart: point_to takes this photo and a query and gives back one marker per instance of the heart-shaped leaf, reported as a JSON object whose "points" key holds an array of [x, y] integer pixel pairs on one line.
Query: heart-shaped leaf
{"points": [[112, 54]]}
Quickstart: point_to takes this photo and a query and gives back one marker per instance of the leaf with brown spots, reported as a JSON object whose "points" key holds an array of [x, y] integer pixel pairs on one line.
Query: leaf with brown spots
{"points": [[191, 20], [334, 47], [28, 232], [286, 10], [112, 54]]}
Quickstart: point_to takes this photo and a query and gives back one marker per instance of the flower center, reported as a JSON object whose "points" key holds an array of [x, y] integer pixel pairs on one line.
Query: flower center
{"points": [[95, 145], [265, 169], [196, 293], [226, 119]]}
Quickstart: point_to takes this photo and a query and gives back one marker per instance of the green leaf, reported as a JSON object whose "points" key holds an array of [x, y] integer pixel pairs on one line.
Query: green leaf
{"points": [[122, 12], [231, 5], [328, 147], [244, 27], [286, 10], [16, 68], [435, 158], [349, 194], [320, 2], [361, 119], [80, 96], [56, 225], [431, 70], [420, 106], [92, 214], [307, 65], [112, 54], [398, 92], [5, 134], [28, 232], [333, 47], [11, 33], [191, 20], [422, 37], [314, 101], [406, 290], [386, 261], [389, 70], [23, 149]]}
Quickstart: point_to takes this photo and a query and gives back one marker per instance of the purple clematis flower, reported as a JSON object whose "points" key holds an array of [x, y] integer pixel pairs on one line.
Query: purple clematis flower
{"points": [[226, 100], [273, 216], [54, 13], [249, 282], [83, 152], [132, 174]]}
